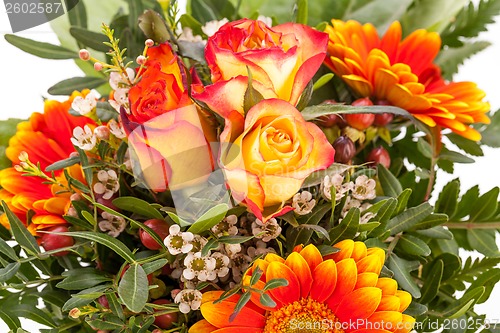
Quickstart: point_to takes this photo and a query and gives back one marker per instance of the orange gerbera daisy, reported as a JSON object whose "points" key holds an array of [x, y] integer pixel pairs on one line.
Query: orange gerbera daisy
{"points": [[341, 292], [46, 139], [402, 73]]}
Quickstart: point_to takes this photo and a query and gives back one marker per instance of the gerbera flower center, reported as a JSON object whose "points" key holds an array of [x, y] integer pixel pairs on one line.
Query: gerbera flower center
{"points": [[303, 316]]}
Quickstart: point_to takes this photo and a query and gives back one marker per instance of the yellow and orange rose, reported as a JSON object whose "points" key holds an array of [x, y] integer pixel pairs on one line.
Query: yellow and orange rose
{"points": [[267, 156], [283, 58]]}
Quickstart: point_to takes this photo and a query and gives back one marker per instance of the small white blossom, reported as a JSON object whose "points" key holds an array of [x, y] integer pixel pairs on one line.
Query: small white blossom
{"points": [[364, 188], [232, 249], [84, 105], [365, 216], [260, 249], [120, 98], [267, 20], [112, 224], [350, 203], [108, 183], [119, 80], [221, 264], [226, 227], [116, 129], [187, 35], [337, 181], [178, 242], [303, 203], [198, 243], [200, 267], [266, 231], [84, 138], [188, 299], [210, 28]]}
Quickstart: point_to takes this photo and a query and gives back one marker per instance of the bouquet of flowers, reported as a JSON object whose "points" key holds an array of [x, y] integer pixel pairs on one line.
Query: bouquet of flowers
{"points": [[263, 166]]}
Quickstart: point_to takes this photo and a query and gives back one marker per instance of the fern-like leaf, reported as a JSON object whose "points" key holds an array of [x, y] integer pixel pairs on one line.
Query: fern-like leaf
{"points": [[470, 271], [449, 59], [470, 22]]}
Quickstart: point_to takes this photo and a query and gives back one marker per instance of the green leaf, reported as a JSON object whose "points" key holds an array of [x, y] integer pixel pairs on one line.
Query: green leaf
{"points": [[115, 306], [90, 39], [108, 322], [135, 9], [234, 239], [413, 245], [62, 164], [78, 15], [209, 219], [138, 206], [380, 13], [433, 15], [153, 26], [447, 201], [461, 306], [242, 301], [257, 273], [470, 147], [7, 130], [301, 13], [402, 201], [202, 11], [302, 236], [347, 228], [409, 218], [383, 215], [454, 156], [485, 206], [402, 269], [491, 134], [315, 111], [188, 21], [390, 184], [133, 288], [153, 266], [20, 233], [470, 21], [450, 58], [467, 201], [32, 313], [75, 302], [66, 87], [483, 241], [266, 300], [322, 81], [54, 297], [317, 177], [275, 283], [432, 283], [9, 271], [436, 232], [7, 250], [252, 95], [83, 278], [10, 319], [40, 49], [431, 221], [106, 240]]}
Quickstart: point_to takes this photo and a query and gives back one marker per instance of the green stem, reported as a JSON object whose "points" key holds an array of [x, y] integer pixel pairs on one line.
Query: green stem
{"points": [[472, 225], [392, 245]]}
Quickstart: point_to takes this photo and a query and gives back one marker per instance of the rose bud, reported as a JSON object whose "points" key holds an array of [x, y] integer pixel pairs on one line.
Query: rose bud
{"points": [[160, 227], [166, 320], [54, 242], [344, 149], [379, 156]]}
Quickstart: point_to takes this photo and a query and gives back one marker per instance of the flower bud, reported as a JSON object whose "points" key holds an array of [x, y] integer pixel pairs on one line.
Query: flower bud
{"points": [[141, 60], [360, 121], [149, 43], [84, 55], [98, 66], [344, 149], [23, 156], [102, 132], [75, 313], [379, 156]]}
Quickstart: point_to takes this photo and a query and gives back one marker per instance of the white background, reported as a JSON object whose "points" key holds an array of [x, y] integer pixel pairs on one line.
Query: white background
{"points": [[25, 79]]}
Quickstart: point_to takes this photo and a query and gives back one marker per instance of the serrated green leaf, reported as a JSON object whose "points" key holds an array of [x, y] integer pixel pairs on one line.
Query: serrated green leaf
{"points": [[461, 306], [447, 201], [347, 228], [209, 219], [491, 134], [138, 206], [451, 58], [432, 283], [40, 49], [413, 245], [33, 313], [390, 184], [467, 201], [485, 206], [106, 240], [67, 86], [470, 147], [409, 218], [133, 288], [90, 39], [433, 15], [20, 233], [402, 269], [483, 241], [9, 271]]}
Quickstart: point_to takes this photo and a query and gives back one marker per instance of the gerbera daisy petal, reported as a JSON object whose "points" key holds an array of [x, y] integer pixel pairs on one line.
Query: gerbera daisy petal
{"points": [[218, 315], [325, 280], [404, 298], [359, 304], [389, 303], [299, 265], [367, 279], [347, 273], [286, 294], [312, 255], [203, 326]]}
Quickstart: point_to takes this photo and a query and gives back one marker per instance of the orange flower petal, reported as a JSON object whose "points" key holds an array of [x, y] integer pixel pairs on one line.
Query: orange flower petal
{"points": [[346, 247], [218, 315], [325, 279], [202, 326], [406, 325], [388, 286], [359, 304], [287, 294], [346, 280], [389, 303], [299, 266], [367, 279], [312, 255], [404, 298]]}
